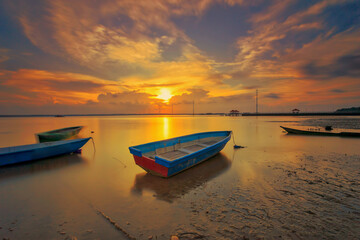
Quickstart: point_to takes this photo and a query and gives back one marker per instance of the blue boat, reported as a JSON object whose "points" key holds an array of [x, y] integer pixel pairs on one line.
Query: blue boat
{"points": [[169, 157], [24, 153]]}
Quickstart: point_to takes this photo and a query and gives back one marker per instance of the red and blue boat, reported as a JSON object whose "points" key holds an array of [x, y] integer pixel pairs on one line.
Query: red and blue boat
{"points": [[168, 157]]}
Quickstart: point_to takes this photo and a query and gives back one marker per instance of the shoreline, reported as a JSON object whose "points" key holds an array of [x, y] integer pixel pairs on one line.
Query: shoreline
{"points": [[189, 114]]}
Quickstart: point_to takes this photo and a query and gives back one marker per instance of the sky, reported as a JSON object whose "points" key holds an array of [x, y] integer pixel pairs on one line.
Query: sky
{"points": [[161, 56]]}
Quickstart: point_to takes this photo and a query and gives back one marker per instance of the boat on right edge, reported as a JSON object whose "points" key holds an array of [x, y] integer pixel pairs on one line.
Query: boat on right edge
{"points": [[319, 131]]}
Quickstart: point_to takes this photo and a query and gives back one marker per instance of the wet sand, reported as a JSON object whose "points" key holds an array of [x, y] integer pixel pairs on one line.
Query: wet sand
{"points": [[278, 187]]}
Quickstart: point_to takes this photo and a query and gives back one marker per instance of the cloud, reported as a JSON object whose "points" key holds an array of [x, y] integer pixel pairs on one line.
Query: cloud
{"points": [[188, 98], [153, 85], [348, 66], [307, 26], [272, 95], [125, 97], [41, 87], [129, 102], [337, 91], [278, 31], [108, 33], [204, 102], [272, 12], [134, 42], [286, 49], [4, 55], [289, 49]]}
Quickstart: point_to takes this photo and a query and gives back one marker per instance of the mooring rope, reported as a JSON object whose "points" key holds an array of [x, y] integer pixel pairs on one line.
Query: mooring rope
{"points": [[233, 137], [93, 144]]}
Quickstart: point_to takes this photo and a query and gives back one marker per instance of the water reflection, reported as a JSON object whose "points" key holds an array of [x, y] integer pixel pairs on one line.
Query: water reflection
{"points": [[40, 166], [166, 127], [180, 184]]}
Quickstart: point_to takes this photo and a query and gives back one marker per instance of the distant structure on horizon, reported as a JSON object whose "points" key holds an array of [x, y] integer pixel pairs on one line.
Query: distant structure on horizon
{"points": [[295, 111], [234, 113]]}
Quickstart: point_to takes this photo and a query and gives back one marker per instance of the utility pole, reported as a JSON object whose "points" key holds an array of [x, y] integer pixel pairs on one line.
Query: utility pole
{"points": [[257, 102]]}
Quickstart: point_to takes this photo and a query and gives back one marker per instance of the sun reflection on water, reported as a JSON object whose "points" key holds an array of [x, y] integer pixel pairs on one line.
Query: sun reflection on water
{"points": [[166, 127]]}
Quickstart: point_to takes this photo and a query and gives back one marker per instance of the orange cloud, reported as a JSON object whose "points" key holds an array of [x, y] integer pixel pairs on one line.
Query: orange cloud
{"points": [[56, 87], [74, 30]]}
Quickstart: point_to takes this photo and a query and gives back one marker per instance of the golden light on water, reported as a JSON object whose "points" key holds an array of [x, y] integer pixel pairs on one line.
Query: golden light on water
{"points": [[166, 127]]}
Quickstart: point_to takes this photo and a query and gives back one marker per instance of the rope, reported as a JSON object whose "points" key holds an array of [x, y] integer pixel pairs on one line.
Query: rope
{"points": [[93, 144], [233, 137]]}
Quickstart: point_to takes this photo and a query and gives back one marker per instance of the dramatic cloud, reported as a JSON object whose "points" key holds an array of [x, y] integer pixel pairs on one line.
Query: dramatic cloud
{"points": [[41, 87], [348, 66], [107, 34], [146, 56], [188, 98]]}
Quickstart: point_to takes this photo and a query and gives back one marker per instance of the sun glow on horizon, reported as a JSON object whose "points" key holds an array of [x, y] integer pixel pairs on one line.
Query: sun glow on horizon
{"points": [[165, 94]]}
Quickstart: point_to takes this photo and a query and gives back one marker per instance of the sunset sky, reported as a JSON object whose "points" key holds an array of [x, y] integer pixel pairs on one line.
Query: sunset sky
{"points": [[126, 56]]}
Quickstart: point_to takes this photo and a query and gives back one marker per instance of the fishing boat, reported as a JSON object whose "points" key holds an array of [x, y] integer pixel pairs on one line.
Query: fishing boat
{"points": [[169, 189], [168, 157], [58, 134], [24, 153], [321, 132]]}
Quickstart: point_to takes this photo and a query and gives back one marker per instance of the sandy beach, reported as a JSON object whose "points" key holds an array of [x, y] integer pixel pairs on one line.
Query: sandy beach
{"points": [[278, 187]]}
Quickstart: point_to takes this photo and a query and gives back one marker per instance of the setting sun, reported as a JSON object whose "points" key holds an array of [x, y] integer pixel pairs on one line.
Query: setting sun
{"points": [[165, 94]]}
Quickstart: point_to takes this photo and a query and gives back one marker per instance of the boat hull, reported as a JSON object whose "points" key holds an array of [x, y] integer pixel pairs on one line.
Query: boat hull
{"points": [[58, 134], [320, 133], [305, 132], [161, 167], [25, 153]]}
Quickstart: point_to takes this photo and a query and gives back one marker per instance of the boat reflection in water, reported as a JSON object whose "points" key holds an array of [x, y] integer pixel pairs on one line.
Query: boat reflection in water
{"points": [[169, 189], [42, 165]]}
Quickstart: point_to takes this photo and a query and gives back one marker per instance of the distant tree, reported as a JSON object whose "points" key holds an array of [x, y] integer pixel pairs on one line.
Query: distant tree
{"points": [[352, 109]]}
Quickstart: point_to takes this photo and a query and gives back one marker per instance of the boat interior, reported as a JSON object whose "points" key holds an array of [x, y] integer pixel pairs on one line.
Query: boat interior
{"points": [[179, 150], [63, 130]]}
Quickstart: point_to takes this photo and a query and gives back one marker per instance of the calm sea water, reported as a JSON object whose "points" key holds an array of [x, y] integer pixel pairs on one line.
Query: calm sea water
{"points": [[293, 187]]}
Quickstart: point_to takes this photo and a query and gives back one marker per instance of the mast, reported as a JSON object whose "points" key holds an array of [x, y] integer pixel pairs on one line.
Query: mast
{"points": [[256, 101], [193, 107]]}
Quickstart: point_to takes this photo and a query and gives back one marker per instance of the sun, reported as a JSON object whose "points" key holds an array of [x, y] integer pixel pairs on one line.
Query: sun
{"points": [[165, 94]]}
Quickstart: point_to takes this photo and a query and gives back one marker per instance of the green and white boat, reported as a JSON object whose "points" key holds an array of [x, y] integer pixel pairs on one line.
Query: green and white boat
{"points": [[58, 134]]}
